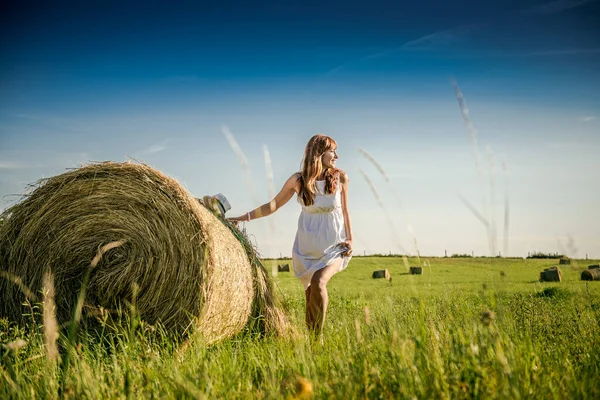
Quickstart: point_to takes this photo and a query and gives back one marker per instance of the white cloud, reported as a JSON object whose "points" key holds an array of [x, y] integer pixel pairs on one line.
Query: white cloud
{"points": [[13, 166], [10, 165], [567, 52], [155, 148], [588, 118], [439, 39], [556, 6], [56, 122], [183, 78], [565, 145]]}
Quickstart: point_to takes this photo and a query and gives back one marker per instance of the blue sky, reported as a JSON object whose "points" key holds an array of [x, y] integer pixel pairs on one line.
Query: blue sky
{"points": [[162, 83]]}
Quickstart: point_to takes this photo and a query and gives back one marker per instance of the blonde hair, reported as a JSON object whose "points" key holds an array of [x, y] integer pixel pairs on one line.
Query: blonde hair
{"points": [[312, 167]]}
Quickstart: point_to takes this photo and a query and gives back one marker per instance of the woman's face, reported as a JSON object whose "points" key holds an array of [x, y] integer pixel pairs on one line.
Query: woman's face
{"points": [[329, 158]]}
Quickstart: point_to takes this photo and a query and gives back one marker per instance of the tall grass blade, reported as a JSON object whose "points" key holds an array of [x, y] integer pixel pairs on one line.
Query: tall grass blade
{"points": [[242, 160], [506, 209], [49, 318], [381, 170], [269, 171], [473, 137], [474, 211], [387, 216], [493, 230]]}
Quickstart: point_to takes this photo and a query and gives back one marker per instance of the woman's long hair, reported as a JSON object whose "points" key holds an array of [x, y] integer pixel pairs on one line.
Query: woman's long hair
{"points": [[312, 168]]}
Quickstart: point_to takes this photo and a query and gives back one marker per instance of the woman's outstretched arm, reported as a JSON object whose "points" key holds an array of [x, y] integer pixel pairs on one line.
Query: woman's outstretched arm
{"points": [[347, 223], [285, 194]]}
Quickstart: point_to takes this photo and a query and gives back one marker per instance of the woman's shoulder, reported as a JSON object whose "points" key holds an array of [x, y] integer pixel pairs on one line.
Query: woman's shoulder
{"points": [[343, 176], [294, 180]]}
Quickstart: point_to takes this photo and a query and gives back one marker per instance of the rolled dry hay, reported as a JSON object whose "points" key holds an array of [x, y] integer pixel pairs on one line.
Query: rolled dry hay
{"points": [[551, 274], [416, 270], [137, 237], [591, 275], [382, 273], [565, 261], [594, 266], [283, 268]]}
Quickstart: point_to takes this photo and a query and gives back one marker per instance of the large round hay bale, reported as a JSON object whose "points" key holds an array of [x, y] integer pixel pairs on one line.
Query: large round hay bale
{"points": [[382, 273], [565, 261], [416, 270], [591, 275], [139, 237], [283, 268], [552, 274]]}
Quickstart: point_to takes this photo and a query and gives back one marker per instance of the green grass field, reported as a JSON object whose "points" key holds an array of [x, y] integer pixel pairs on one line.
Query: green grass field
{"points": [[466, 328]]}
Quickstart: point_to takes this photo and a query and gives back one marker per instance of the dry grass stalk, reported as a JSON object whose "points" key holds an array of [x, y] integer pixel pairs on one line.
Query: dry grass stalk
{"points": [[475, 212], [470, 128], [489, 223], [242, 160], [269, 171], [493, 234], [49, 319], [375, 163], [378, 166], [192, 272], [506, 209], [387, 217], [18, 282]]}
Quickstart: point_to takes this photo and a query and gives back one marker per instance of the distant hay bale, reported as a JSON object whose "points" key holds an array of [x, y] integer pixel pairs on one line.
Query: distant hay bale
{"points": [[565, 261], [283, 268], [594, 266], [416, 270], [139, 237], [382, 273], [591, 275], [551, 274]]}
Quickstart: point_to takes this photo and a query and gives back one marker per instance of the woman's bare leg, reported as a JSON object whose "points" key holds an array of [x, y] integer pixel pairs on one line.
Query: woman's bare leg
{"points": [[308, 316], [319, 299]]}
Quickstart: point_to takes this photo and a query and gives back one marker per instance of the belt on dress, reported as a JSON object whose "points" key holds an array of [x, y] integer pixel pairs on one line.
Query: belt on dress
{"points": [[320, 210]]}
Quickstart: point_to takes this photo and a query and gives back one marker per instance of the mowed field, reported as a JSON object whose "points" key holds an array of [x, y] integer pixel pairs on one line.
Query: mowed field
{"points": [[466, 328]]}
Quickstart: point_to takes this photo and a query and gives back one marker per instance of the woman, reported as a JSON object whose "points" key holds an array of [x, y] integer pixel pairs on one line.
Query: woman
{"points": [[323, 244]]}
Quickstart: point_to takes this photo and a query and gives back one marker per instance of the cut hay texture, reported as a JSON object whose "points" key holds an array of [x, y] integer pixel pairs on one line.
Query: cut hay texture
{"points": [[591, 275], [382, 273], [565, 261], [283, 268], [139, 238], [551, 274], [415, 270]]}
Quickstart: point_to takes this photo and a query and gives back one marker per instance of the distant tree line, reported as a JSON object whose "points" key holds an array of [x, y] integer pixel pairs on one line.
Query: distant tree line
{"points": [[539, 254]]}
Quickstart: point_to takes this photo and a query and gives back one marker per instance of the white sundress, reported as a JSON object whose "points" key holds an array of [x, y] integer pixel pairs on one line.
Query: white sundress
{"points": [[320, 232]]}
